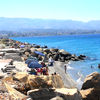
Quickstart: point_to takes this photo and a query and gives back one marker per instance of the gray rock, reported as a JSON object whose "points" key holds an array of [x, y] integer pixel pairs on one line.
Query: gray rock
{"points": [[14, 56], [54, 94]]}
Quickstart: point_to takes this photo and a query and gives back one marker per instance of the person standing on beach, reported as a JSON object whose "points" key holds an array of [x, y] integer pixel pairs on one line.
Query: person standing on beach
{"points": [[91, 66], [65, 67]]}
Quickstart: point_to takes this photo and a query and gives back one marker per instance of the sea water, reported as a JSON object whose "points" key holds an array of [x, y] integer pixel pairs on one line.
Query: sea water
{"points": [[88, 45]]}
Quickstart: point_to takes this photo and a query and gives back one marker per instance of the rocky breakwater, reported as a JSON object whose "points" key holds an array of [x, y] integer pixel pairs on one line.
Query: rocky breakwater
{"points": [[56, 54], [22, 86], [16, 50], [91, 87]]}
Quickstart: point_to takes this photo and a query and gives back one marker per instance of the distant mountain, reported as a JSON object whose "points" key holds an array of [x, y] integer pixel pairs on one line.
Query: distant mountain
{"points": [[18, 24]]}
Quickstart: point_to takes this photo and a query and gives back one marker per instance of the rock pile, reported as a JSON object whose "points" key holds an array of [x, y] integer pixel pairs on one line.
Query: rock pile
{"points": [[22, 86], [16, 52], [56, 54]]}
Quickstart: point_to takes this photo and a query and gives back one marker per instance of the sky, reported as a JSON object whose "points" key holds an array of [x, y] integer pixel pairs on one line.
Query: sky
{"points": [[82, 10]]}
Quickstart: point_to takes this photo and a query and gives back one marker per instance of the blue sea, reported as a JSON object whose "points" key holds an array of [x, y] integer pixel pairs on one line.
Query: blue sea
{"points": [[88, 45]]}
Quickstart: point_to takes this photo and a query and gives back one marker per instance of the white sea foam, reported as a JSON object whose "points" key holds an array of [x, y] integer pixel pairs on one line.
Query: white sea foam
{"points": [[69, 67], [76, 75]]}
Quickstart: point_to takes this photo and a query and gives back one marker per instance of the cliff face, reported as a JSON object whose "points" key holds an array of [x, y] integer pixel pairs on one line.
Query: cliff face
{"points": [[91, 87]]}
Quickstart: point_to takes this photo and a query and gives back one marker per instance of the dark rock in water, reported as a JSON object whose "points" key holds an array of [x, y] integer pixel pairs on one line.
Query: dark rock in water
{"points": [[44, 47], [75, 59], [37, 46], [65, 54], [81, 57]]}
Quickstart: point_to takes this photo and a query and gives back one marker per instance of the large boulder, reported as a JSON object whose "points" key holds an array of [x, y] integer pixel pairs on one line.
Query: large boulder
{"points": [[36, 82], [21, 76], [14, 94], [81, 57], [40, 49], [14, 56], [91, 87], [47, 50], [90, 94], [27, 50], [53, 94], [92, 81], [56, 57], [33, 49], [10, 50], [37, 46], [34, 54], [54, 50], [45, 81]]}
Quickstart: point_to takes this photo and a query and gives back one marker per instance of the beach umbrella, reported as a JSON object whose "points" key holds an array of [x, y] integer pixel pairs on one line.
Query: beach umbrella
{"points": [[31, 57], [34, 65], [39, 53], [34, 59], [29, 61]]}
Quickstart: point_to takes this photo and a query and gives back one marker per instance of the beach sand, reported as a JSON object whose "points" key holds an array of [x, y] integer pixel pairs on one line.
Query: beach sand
{"points": [[58, 68]]}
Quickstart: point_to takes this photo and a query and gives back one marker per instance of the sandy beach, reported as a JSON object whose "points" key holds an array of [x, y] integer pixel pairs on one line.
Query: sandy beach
{"points": [[68, 81]]}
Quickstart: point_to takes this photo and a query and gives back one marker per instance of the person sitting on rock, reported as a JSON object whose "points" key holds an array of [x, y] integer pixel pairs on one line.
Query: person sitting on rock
{"points": [[43, 64], [38, 71], [51, 61], [44, 71], [33, 71], [41, 70]]}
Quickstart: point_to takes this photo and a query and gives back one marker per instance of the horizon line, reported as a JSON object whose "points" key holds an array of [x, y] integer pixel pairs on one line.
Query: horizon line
{"points": [[53, 19]]}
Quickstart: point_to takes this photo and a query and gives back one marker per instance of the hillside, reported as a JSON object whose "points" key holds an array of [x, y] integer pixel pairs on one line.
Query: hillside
{"points": [[46, 26]]}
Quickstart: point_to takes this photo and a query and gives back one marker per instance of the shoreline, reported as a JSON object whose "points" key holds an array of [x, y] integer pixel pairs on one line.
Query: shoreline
{"points": [[67, 79]]}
